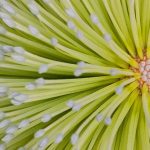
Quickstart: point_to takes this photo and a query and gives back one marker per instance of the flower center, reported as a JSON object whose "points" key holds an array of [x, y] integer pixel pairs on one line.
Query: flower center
{"points": [[144, 70]]}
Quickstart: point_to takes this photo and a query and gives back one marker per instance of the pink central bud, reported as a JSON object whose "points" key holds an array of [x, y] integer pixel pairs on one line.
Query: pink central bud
{"points": [[144, 70]]}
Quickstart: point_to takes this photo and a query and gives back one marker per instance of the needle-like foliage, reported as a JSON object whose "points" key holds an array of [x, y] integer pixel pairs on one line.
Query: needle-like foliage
{"points": [[74, 74]]}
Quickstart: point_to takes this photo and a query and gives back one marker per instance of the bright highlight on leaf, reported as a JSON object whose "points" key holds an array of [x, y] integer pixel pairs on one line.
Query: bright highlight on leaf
{"points": [[74, 75]]}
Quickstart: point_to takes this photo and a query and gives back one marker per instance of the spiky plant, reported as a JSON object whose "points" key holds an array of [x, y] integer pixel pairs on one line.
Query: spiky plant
{"points": [[75, 74]]}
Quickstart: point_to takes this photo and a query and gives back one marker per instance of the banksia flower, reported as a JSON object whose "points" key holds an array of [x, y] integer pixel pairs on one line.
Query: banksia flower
{"points": [[74, 74]]}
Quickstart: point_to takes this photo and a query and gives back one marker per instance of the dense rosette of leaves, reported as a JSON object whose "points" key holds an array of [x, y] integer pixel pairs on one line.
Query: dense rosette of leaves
{"points": [[74, 74]]}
